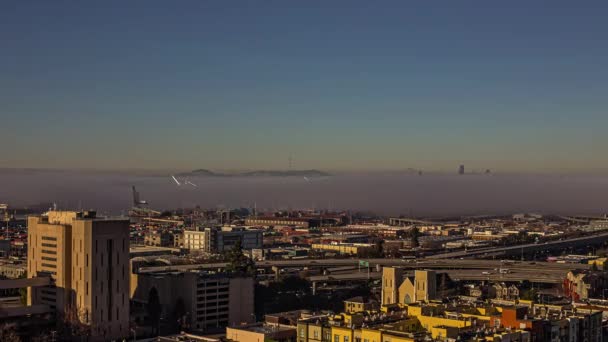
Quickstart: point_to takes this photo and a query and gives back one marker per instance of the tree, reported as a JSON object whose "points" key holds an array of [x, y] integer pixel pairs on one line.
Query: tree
{"points": [[154, 309], [179, 314], [239, 263], [23, 295], [443, 285], [379, 248], [8, 334], [414, 235], [73, 324], [530, 294]]}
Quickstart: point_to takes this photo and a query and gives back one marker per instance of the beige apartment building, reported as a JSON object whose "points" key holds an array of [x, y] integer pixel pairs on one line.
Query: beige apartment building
{"points": [[87, 258]]}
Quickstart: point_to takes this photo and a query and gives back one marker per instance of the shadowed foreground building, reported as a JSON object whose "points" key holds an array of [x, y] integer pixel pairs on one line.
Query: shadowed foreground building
{"points": [[87, 258], [210, 301]]}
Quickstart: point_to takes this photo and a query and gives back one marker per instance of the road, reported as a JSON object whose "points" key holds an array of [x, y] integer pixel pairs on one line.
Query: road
{"points": [[527, 247], [467, 269], [532, 275]]}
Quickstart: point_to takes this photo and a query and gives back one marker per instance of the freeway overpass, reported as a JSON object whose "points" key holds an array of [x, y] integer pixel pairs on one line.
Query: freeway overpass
{"points": [[24, 282], [515, 250], [434, 261], [467, 269], [11, 311], [532, 275]]}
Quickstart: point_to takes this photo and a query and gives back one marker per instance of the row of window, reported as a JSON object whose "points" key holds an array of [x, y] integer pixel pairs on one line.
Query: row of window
{"points": [[212, 297], [49, 238], [209, 284], [48, 292], [48, 299], [202, 305], [214, 290]]}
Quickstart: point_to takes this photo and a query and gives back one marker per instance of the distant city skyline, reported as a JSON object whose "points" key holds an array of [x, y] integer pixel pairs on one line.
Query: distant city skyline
{"points": [[346, 85]]}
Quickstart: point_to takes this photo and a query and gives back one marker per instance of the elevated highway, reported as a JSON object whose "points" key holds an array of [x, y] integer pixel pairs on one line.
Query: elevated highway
{"points": [[533, 275], [24, 282], [518, 249], [10, 310], [467, 269], [354, 263]]}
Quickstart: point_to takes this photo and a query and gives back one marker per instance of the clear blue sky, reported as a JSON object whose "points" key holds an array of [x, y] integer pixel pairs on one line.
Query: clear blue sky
{"points": [[340, 85]]}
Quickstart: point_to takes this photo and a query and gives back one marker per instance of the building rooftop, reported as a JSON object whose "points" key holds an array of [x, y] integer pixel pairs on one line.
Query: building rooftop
{"points": [[265, 328]]}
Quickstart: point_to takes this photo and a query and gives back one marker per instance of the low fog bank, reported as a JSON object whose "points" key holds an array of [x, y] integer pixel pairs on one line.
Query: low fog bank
{"points": [[426, 195]]}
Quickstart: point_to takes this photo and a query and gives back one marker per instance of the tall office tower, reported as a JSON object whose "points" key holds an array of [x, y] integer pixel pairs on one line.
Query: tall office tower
{"points": [[461, 170], [87, 259]]}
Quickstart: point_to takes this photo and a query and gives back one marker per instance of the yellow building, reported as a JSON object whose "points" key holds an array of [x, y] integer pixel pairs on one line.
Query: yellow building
{"points": [[261, 332], [359, 304], [601, 263], [314, 329], [415, 323], [87, 258], [439, 322], [345, 248]]}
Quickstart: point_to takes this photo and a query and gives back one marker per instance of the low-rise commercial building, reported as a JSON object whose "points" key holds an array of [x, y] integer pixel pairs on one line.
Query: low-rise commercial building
{"points": [[345, 248], [159, 238], [261, 332], [217, 240]]}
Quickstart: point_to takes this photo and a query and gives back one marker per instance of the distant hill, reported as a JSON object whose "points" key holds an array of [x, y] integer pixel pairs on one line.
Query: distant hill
{"points": [[258, 173], [299, 173], [201, 172]]}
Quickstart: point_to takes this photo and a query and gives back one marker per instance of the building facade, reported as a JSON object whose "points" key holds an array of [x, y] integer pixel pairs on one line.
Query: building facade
{"points": [[216, 240], [159, 238], [213, 301], [87, 258], [399, 289]]}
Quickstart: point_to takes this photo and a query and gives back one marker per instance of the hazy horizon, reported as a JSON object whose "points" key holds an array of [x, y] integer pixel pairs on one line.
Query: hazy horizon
{"points": [[379, 171], [408, 194]]}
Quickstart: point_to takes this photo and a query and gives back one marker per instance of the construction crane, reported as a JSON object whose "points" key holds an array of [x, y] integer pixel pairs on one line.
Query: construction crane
{"points": [[136, 201]]}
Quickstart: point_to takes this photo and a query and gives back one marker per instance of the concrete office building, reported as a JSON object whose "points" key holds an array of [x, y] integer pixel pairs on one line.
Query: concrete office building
{"points": [[213, 301], [217, 240], [87, 258]]}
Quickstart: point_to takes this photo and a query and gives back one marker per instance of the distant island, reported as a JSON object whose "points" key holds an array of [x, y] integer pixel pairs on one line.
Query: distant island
{"points": [[258, 173]]}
